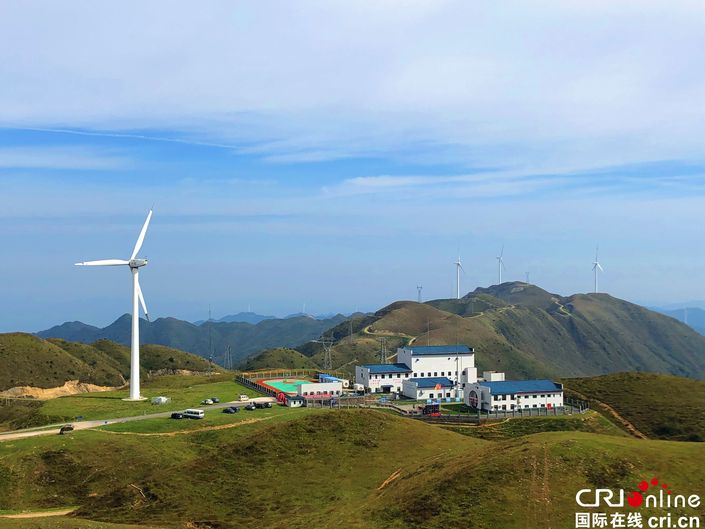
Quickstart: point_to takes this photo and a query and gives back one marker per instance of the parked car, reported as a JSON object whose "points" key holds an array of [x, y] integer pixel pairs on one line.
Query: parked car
{"points": [[244, 397], [266, 404], [250, 407], [231, 409], [177, 415], [215, 400], [207, 402], [66, 429]]}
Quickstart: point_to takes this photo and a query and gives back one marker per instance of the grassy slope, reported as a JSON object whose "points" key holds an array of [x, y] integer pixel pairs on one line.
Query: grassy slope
{"points": [[280, 357], [528, 332], [328, 468], [660, 406], [26, 360]]}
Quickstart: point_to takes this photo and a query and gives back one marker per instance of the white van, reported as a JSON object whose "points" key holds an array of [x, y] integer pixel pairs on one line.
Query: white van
{"points": [[244, 397], [194, 414]]}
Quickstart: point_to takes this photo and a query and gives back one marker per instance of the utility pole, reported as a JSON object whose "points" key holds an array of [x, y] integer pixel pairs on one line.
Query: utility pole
{"points": [[327, 344], [210, 342], [383, 350]]}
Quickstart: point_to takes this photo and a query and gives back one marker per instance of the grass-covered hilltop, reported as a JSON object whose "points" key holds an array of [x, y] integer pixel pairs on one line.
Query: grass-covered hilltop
{"points": [[28, 360], [525, 331]]}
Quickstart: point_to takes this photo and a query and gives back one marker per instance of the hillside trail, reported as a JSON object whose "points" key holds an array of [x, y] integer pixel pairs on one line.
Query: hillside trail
{"points": [[614, 413], [197, 430], [39, 514]]}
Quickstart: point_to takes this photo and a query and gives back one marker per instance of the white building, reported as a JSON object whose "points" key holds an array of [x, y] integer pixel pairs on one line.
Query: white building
{"points": [[320, 389], [514, 394], [382, 378], [430, 388], [454, 362]]}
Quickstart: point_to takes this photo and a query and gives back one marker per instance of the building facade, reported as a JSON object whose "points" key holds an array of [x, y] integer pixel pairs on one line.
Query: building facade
{"points": [[513, 395], [453, 362], [430, 388], [382, 378], [320, 389]]}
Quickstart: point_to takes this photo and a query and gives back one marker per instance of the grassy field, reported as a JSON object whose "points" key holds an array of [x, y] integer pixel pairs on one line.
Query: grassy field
{"points": [[323, 468], [519, 427], [185, 391], [660, 406]]}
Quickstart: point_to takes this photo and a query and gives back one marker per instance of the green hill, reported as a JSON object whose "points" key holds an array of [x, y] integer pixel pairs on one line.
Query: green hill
{"points": [[280, 357], [528, 332], [659, 406], [27, 360], [325, 469]]}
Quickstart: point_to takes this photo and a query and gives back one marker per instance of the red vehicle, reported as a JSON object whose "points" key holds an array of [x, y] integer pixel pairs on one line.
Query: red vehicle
{"points": [[431, 410]]}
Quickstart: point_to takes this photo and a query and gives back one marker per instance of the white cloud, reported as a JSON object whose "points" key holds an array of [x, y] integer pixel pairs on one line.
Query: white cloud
{"points": [[67, 157], [595, 83]]}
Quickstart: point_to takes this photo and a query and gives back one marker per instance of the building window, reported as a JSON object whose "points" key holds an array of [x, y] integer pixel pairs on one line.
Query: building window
{"points": [[435, 373], [448, 394], [535, 397], [430, 395], [406, 375], [442, 374], [535, 406], [504, 406], [429, 373], [415, 375]]}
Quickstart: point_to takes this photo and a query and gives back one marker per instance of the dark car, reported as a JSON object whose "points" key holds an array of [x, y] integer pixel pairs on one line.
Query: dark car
{"points": [[66, 429], [266, 404], [232, 409], [250, 407], [215, 400], [177, 415]]}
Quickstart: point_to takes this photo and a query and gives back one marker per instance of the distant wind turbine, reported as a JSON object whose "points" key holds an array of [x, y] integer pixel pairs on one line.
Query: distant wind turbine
{"points": [[419, 288], [458, 268], [596, 269], [137, 298], [500, 265]]}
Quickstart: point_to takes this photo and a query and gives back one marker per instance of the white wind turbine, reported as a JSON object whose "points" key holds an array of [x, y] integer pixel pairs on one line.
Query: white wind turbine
{"points": [[596, 268], [500, 265], [137, 298], [458, 268]]}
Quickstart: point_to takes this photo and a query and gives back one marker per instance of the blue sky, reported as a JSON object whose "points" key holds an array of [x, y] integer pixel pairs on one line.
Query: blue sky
{"points": [[339, 154]]}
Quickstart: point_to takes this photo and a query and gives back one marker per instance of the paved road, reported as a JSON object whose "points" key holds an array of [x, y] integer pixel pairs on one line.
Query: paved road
{"points": [[85, 425]]}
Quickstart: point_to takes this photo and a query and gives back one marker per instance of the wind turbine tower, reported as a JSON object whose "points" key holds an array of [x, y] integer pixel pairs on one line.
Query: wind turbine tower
{"points": [[458, 268], [500, 265], [596, 269], [419, 288], [137, 299]]}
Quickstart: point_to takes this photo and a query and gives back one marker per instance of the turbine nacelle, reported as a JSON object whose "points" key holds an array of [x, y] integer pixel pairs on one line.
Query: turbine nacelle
{"points": [[137, 263]]}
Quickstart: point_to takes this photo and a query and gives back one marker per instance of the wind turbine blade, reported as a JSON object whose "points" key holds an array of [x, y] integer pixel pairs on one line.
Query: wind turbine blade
{"points": [[600, 267], [501, 254], [503, 265], [140, 239], [141, 298], [104, 262]]}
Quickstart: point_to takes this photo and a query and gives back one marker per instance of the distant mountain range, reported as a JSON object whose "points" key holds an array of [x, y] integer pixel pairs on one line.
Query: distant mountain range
{"points": [[243, 339], [525, 331], [692, 316], [240, 317]]}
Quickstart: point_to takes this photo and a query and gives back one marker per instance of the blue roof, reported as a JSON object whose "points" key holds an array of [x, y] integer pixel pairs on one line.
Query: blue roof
{"points": [[438, 349], [432, 382], [387, 368], [509, 387]]}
